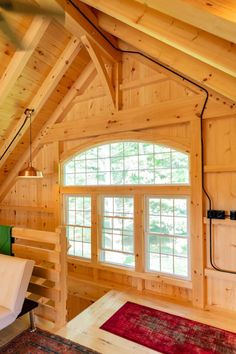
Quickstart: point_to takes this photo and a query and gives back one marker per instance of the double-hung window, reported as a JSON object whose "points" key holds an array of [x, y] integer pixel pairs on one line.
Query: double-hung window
{"points": [[167, 235], [117, 234]]}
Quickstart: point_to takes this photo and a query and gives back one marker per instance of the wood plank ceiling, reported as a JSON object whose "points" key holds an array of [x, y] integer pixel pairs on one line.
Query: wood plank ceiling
{"points": [[195, 37]]}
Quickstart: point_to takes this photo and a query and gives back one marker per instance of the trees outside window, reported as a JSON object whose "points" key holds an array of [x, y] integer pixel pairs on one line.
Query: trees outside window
{"points": [[112, 175]]}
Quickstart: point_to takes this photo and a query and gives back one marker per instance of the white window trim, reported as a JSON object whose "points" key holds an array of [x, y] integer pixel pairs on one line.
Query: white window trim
{"points": [[100, 216], [146, 226], [65, 199]]}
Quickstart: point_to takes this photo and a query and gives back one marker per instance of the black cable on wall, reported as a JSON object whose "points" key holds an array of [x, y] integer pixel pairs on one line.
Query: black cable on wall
{"points": [[201, 119], [14, 138]]}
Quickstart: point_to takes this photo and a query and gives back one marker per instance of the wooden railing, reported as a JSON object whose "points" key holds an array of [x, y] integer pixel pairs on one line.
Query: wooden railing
{"points": [[48, 285]]}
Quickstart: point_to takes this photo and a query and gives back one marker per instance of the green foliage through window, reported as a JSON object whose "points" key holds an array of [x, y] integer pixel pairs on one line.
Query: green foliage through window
{"points": [[167, 235], [127, 163], [78, 225], [118, 231]]}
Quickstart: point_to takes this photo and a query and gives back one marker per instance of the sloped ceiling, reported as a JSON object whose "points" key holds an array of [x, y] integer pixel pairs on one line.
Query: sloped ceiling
{"points": [[195, 37]]}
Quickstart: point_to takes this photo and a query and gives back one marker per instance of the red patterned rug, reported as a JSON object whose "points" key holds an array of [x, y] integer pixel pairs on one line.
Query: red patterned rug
{"points": [[41, 342], [168, 333]]}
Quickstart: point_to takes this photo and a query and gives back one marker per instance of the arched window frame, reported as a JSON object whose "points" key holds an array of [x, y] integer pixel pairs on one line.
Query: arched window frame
{"points": [[96, 192]]}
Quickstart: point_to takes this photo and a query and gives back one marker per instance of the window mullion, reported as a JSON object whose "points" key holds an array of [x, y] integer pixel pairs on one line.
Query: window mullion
{"points": [[94, 228], [139, 233]]}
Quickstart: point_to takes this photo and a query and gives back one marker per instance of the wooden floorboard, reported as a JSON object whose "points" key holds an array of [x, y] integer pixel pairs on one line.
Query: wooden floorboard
{"points": [[19, 325], [84, 329], [10, 332]]}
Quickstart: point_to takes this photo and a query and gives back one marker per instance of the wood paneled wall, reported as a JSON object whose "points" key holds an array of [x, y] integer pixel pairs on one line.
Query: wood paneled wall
{"points": [[36, 204]]}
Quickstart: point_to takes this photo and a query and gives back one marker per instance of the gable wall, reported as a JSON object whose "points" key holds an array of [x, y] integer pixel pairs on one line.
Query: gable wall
{"points": [[36, 204]]}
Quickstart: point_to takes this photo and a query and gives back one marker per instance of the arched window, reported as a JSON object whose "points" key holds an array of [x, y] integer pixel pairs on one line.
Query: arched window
{"points": [[103, 207], [127, 163]]}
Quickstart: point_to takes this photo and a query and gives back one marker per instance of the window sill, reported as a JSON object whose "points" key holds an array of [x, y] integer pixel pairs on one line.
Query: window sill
{"points": [[187, 284]]}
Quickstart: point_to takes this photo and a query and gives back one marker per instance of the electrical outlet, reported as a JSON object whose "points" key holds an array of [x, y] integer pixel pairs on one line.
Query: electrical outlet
{"points": [[215, 214], [232, 214]]}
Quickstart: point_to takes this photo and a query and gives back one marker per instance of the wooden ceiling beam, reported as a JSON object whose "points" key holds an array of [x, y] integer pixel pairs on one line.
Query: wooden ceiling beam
{"points": [[95, 55], [76, 24], [78, 88], [49, 84], [84, 80], [190, 67], [199, 44], [149, 116], [188, 12], [20, 58], [221, 8]]}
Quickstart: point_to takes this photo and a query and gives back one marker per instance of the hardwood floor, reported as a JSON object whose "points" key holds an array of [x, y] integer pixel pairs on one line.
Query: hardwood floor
{"points": [[84, 328], [13, 330], [19, 325]]}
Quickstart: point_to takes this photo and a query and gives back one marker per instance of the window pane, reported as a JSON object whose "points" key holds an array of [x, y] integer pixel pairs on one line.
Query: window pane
{"points": [[146, 162], [107, 240], [179, 160], [78, 233], [163, 176], [181, 266], [69, 179], [167, 225], [154, 243], [166, 245], [129, 206], [131, 177], [131, 163], [162, 160], [167, 235], [181, 247], [180, 176], [131, 149], [167, 207], [78, 225], [87, 235], [79, 178], [127, 163], [117, 178], [154, 224], [91, 166], [180, 206], [104, 151], [117, 242], [167, 264], [70, 167], [181, 226], [78, 249], [118, 258], [117, 149], [154, 262], [146, 148], [117, 231], [90, 154], [128, 244], [86, 250], [154, 206], [147, 177], [117, 163]]}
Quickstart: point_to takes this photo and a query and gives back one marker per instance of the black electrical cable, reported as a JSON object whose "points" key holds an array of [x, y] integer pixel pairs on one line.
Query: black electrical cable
{"points": [[14, 138], [201, 120]]}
